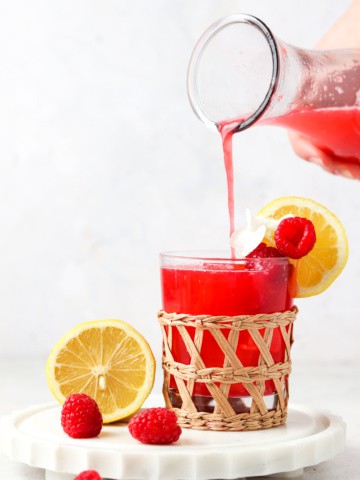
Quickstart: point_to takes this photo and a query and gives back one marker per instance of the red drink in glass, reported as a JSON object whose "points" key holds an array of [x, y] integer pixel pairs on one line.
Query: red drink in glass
{"points": [[220, 285]]}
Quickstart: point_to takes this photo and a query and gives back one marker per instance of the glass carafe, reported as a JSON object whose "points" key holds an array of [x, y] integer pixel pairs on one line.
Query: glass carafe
{"points": [[240, 75]]}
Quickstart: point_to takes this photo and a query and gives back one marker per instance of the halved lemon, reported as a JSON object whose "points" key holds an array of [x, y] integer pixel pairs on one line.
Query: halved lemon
{"points": [[108, 360], [317, 270]]}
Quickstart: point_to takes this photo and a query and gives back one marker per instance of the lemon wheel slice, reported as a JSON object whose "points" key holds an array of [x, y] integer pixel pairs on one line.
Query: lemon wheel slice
{"points": [[317, 270], [108, 360]]}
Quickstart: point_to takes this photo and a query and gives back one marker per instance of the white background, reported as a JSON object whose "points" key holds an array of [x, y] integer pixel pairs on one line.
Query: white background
{"points": [[104, 165]]}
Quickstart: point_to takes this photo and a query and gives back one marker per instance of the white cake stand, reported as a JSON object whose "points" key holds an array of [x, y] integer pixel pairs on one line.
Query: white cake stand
{"points": [[34, 436]]}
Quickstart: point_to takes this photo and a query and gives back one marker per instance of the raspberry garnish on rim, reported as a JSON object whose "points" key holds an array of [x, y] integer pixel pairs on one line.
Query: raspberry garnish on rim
{"points": [[263, 251], [295, 237]]}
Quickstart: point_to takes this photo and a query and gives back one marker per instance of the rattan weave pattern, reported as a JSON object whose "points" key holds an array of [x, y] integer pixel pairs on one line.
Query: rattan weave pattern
{"points": [[219, 379]]}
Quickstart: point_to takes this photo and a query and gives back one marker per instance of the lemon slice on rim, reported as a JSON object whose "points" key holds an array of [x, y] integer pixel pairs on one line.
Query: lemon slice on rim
{"points": [[317, 270], [108, 360]]}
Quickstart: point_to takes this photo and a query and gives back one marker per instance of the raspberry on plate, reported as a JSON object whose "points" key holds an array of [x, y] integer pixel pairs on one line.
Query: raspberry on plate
{"points": [[81, 417], [88, 475], [295, 237], [155, 426]]}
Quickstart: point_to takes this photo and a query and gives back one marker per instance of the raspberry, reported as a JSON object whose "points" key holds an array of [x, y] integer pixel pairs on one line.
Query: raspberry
{"points": [[263, 251], [81, 417], [88, 475], [155, 425], [295, 237]]}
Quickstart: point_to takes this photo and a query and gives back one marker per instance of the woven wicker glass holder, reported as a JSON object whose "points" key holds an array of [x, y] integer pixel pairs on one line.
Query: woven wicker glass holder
{"points": [[218, 380]]}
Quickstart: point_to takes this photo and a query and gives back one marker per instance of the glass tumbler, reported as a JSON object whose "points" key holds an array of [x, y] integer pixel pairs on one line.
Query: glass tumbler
{"points": [[227, 328]]}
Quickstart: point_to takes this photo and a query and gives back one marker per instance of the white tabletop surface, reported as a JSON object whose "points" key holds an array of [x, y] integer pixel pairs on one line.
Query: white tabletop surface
{"points": [[335, 389]]}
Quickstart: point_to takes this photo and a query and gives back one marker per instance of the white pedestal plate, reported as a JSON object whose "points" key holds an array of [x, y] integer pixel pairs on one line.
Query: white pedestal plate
{"points": [[34, 436]]}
